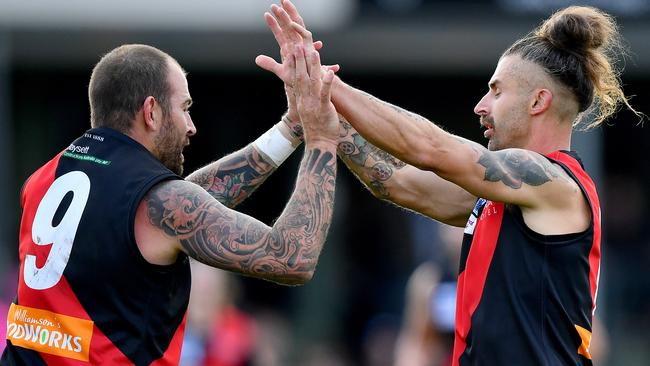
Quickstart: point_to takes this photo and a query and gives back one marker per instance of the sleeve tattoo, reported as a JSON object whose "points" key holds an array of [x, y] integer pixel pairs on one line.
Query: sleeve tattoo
{"points": [[516, 167], [372, 165], [235, 177], [229, 240]]}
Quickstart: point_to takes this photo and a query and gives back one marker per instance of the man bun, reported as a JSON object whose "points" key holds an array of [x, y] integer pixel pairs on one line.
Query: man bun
{"points": [[579, 28], [580, 47]]}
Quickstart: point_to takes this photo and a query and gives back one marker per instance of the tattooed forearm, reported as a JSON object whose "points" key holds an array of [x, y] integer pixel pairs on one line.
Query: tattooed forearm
{"points": [[370, 164], [286, 253], [297, 131], [311, 206], [355, 147], [235, 177], [294, 127], [515, 167]]}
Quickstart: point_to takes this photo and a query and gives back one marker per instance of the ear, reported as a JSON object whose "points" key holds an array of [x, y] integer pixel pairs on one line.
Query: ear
{"points": [[149, 113], [541, 101]]}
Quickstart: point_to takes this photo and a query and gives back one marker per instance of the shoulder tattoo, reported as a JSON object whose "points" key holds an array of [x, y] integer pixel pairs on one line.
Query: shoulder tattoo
{"points": [[516, 167]]}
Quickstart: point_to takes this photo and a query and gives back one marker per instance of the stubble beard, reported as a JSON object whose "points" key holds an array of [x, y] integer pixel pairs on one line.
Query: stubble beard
{"points": [[492, 144], [169, 147]]}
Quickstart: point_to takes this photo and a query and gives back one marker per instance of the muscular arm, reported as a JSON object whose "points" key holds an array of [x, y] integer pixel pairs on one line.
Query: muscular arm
{"points": [[233, 178], [512, 176], [388, 178], [286, 253], [393, 180]]}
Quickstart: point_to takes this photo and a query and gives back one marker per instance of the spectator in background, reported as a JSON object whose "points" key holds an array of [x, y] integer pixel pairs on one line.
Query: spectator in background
{"points": [[424, 340], [427, 334], [220, 333], [217, 332]]}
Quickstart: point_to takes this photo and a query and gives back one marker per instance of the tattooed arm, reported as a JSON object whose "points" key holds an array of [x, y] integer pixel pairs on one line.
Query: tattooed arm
{"points": [[180, 216], [386, 177], [236, 176], [233, 178], [391, 179], [514, 176], [414, 140]]}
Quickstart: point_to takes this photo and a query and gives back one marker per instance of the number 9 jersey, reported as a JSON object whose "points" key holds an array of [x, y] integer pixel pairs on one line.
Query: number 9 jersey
{"points": [[86, 295]]}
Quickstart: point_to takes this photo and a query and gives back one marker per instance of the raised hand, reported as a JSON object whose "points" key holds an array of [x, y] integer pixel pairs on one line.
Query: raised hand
{"points": [[312, 86], [280, 25]]}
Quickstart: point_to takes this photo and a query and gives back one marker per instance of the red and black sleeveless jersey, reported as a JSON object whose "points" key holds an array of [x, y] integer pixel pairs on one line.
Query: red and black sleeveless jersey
{"points": [[86, 295], [525, 298]]}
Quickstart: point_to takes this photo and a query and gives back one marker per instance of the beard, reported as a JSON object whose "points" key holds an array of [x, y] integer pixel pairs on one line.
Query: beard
{"points": [[169, 147], [492, 144]]}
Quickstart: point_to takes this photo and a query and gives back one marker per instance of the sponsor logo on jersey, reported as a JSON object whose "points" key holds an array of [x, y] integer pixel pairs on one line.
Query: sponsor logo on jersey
{"points": [[473, 217], [48, 332], [90, 158], [78, 149], [489, 210]]}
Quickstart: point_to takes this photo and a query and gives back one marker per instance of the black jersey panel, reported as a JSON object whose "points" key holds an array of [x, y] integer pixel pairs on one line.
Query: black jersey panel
{"points": [[128, 310], [136, 305], [539, 292]]}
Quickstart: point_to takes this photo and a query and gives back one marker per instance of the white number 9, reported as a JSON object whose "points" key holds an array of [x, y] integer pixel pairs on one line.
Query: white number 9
{"points": [[61, 236]]}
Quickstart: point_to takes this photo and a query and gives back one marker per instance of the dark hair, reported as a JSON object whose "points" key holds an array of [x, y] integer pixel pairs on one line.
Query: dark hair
{"points": [[122, 80], [579, 46]]}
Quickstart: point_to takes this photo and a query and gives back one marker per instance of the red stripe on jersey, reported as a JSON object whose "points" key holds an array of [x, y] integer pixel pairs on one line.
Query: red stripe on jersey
{"points": [[472, 279], [459, 339], [589, 186], [59, 298], [172, 355], [37, 185]]}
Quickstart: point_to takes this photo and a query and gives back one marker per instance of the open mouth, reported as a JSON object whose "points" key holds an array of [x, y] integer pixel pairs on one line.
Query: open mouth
{"points": [[489, 128]]}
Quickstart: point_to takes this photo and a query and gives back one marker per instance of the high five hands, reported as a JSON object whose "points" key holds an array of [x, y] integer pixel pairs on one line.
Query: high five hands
{"points": [[289, 31], [312, 86]]}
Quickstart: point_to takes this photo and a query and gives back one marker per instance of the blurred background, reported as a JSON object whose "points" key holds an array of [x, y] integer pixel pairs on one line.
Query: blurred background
{"points": [[383, 292]]}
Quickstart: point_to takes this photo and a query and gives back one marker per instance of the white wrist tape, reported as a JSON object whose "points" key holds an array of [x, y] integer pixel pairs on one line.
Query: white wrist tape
{"points": [[274, 145]]}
